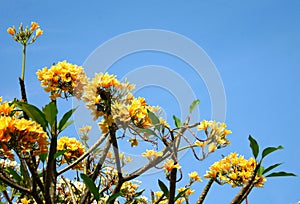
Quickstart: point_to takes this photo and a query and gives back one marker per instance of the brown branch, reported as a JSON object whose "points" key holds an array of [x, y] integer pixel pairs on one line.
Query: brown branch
{"points": [[12, 184], [205, 191], [86, 192]]}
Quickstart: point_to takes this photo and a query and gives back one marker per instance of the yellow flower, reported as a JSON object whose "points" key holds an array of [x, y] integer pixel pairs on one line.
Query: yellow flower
{"points": [[85, 129], [74, 150], [180, 200], [188, 191], [34, 26], [195, 176], [151, 154], [103, 126], [212, 147], [11, 31], [203, 125], [199, 143], [234, 170], [38, 32], [27, 136], [63, 80], [24, 201], [169, 165]]}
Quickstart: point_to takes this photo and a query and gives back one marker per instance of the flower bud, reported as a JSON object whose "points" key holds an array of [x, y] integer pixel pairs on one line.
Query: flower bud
{"points": [[34, 26], [11, 31]]}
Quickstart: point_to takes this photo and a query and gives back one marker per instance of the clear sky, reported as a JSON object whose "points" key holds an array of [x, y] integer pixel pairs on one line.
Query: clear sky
{"points": [[255, 46]]}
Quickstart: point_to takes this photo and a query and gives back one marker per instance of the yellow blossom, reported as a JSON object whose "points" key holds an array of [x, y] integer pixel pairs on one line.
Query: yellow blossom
{"points": [[74, 150], [63, 80], [234, 170], [24, 201], [103, 126], [151, 154], [169, 165], [195, 176], [27, 136], [38, 32], [212, 147], [85, 129]]}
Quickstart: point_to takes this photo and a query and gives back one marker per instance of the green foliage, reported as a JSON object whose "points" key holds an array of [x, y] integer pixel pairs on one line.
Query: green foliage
{"points": [[164, 188], [34, 113], [254, 146], [91, 185], [114, 196], [181, 194], [194, 104], [50, 111], [280, 173], [63, 123], [177, 121], [269, 150]]}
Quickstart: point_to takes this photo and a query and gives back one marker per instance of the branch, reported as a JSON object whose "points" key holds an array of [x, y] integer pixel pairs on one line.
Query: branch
{"points": [[12, 184], [205, 191]]}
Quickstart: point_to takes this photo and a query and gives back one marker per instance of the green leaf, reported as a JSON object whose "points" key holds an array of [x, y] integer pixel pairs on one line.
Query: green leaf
{"points": [[43, 157], [147, 131], [280, 173], [269, 150], [34, 113], [15, 175], [271, 167], [91, 185], [50, 111], [260, 170], [114, 196], [254, 146], [177, 121], [181, 194], [137, 194], [67, 124], [154, 120], [194, 104], [164, 188], [65, 118], [59, 153]]}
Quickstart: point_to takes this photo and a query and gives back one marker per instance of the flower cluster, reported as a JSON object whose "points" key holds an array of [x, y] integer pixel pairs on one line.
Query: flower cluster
{"points": [[74, 149], [234, 170], [63, 80], [216, 133], [138, 112], [6, 108], [103, 91], [21, 135], [23, 35]]}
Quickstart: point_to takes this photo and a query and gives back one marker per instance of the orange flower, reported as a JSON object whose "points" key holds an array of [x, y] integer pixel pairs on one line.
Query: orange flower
{"points": [[11, 31], [34, 25]]}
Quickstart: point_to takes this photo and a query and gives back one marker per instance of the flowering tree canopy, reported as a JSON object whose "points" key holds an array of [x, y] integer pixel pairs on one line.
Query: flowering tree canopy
{"points": [[35, 155]]}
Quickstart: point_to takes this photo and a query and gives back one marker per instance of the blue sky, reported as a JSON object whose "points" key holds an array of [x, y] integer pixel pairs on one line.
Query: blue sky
{"points": [[255, 46]]}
